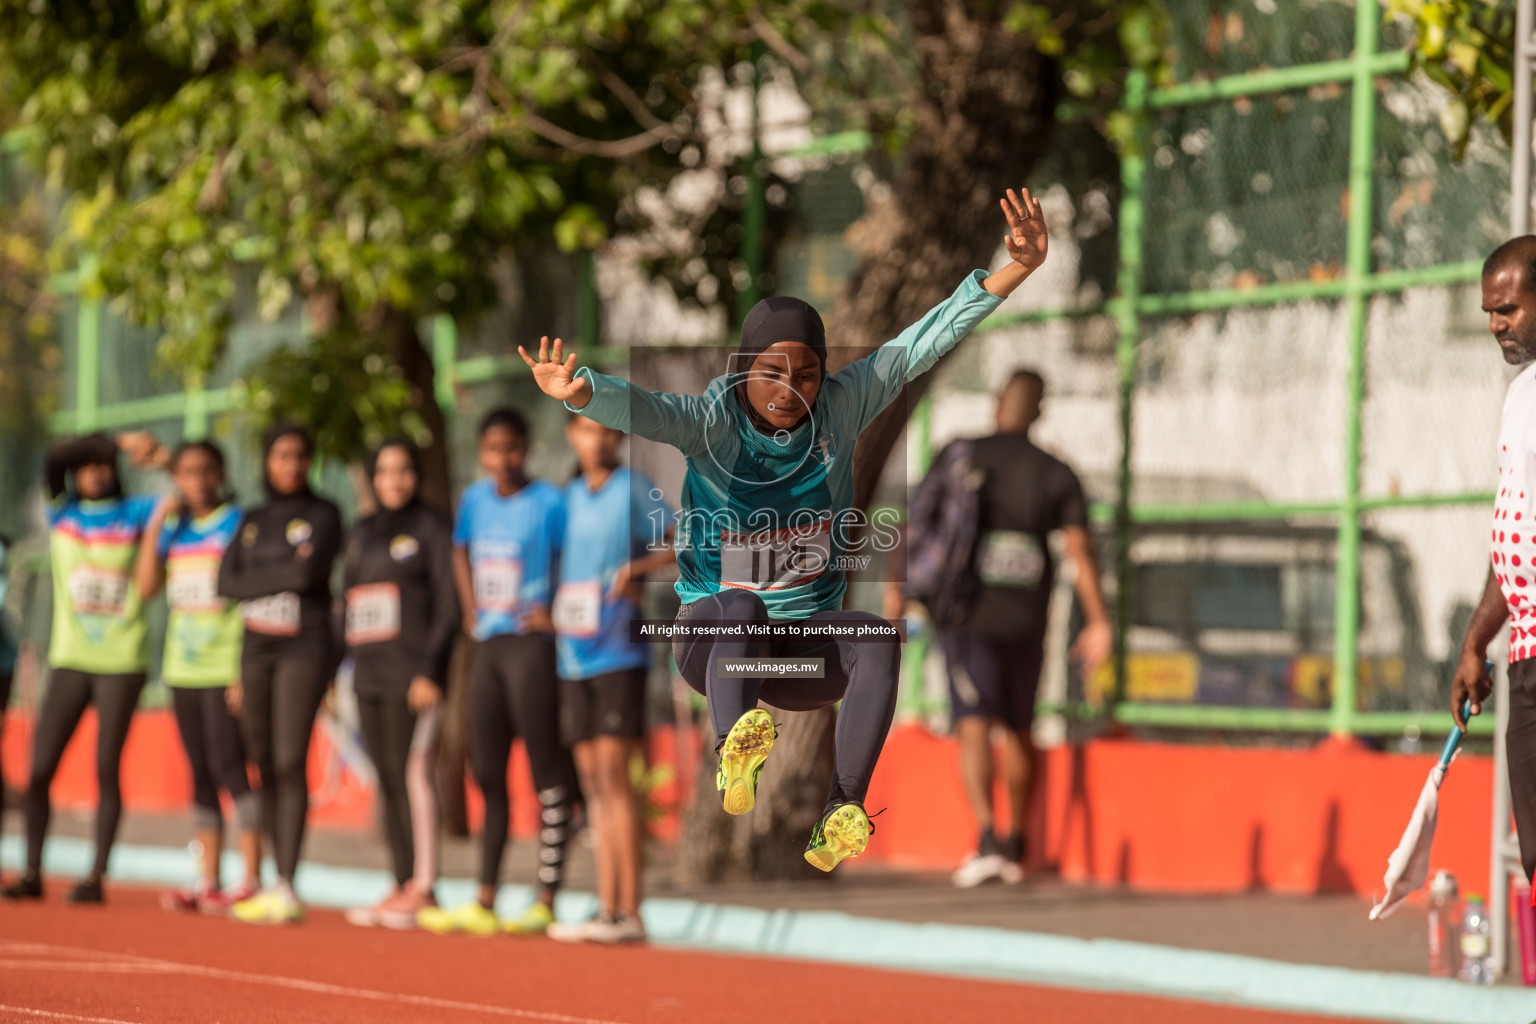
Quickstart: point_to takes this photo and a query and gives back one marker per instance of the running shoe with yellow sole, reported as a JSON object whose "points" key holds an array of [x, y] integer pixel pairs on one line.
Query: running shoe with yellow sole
{"points": [[533, 921], [471, 918], [742, 755], [277, 905], [841, 833]]}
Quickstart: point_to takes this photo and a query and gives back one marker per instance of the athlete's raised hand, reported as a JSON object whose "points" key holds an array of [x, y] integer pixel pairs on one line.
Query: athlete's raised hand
{"points": [[556, 377], [1027, 239]]}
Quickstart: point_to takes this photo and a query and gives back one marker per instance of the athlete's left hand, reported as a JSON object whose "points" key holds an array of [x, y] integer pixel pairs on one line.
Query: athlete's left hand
{"points": [[537, 620], [423, 695], [624, 584], [1027, 239], [1093, 646]]}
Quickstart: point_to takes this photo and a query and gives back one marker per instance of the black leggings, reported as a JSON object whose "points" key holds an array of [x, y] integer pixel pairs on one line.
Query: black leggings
{"points": [[5, 700], [277, 717], [403, 747], [216, 754], [863, 675], [513, 692], [69, 693]]}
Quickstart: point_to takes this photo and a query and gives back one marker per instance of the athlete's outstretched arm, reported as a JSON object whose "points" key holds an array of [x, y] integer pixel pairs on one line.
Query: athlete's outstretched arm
{"points": [[682, 421], [874, 381]]}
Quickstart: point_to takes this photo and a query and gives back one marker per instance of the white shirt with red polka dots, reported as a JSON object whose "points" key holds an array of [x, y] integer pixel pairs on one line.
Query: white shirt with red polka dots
{"points": [[1514, 526]]}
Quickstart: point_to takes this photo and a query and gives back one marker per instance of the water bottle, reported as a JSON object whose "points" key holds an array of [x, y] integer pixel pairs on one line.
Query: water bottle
{"points": [[1444, 925], [1475, 946]]}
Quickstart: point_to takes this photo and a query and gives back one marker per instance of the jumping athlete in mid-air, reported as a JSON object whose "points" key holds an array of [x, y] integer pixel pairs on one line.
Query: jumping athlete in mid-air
{"points": [[767, 516]]}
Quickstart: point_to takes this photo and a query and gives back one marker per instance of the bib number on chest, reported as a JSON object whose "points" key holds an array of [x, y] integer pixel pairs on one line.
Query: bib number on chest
{"points": [[1010, 558], [94, 590], [277, 615], [194, 590], [578, 610], [775, 559], [497, 584], [373, 613]]}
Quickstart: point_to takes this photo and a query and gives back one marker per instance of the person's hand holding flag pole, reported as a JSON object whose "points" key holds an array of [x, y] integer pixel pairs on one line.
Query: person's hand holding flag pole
{"points": [[1408, 867]]}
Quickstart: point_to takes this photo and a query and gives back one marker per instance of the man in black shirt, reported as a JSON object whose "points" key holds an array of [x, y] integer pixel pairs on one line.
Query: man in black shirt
{"points": [[995, 650]]}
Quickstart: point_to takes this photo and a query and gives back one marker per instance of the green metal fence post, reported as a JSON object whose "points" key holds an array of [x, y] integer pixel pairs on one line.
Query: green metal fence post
{"points": [[1128, 324], [1346, 630], [445, 352], [88, 350]]}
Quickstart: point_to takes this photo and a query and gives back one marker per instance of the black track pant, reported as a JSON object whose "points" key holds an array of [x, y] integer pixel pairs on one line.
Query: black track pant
{"points": [[863, 675], [513, 692], [1521, 745], [69, 694], [403, 747], [5, 699], [216, 753], [282, 695]]}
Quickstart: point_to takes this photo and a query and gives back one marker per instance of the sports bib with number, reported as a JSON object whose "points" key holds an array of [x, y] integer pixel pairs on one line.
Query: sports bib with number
{"points": [[578, 610], [194, 588], [1009, 558], [277, 615], [96, 590], [498, 581], [373, 613], [775, 559]]}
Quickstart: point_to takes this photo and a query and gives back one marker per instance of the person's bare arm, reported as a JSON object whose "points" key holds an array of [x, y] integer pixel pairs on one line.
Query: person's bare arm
{"points": [[148, 570], [464, 583], [1471, 680], [1093, 644]]}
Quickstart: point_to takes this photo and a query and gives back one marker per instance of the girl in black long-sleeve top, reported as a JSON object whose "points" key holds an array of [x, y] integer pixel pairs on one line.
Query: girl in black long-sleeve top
{"points": [[279, 568], [402, 615]]}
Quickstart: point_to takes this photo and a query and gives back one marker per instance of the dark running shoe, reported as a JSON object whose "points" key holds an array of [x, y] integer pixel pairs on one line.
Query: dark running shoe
{"points": [[27, 887], [86, 892]]}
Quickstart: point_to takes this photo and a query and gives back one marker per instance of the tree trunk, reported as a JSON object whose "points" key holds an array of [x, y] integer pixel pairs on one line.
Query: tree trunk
{"points": [[984, 117]]}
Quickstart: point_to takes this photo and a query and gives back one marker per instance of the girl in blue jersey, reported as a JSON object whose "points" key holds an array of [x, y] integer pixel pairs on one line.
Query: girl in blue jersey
{"points": [[623, 526], [506, 549], [182, 550], [97, 652], [767, 514]]}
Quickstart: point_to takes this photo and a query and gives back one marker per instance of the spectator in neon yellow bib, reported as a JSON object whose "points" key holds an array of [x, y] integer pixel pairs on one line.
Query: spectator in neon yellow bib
{"points": [[182, 550], [97, 651]]}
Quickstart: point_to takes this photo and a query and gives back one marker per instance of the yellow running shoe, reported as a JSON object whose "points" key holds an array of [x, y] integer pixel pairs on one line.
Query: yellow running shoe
{"points": [[468, 917], [841, 833], [741, 760], [277, 905], [534, 921]]}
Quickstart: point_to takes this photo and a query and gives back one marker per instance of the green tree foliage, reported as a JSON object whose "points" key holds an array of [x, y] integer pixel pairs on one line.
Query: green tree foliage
{"points": [[371, 159], [1468, 47]]}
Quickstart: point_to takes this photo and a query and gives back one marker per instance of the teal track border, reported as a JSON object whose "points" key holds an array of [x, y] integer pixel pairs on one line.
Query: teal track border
{"points": [[993, 954]]}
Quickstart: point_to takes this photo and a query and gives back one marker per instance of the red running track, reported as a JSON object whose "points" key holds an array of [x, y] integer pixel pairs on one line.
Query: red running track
{"points": [[132, 963]]}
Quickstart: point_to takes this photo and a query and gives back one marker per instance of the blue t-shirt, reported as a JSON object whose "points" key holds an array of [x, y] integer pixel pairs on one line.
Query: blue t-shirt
{"points": [[204, 632], [774, 514], [98, 615], [616, 524], [514, 548]]}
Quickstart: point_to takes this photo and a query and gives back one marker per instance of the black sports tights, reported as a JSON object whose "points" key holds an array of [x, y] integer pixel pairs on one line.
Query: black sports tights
{"points": [[863, 675], [216, 754], [277, 716], [388, 727], [69, 693], [513, 692]]}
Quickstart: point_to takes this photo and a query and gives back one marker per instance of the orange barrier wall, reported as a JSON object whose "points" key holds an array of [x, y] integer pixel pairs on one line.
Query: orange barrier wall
{"points": [[1157, 817]]}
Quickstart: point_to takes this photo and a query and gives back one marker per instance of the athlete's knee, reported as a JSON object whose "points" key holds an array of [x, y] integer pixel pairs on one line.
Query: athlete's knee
{"points": [[740, 605], [207, 817], [248, 811]]}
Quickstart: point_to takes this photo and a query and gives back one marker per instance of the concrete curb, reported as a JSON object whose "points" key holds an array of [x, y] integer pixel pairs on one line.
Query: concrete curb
{"points": [[965, 951]]}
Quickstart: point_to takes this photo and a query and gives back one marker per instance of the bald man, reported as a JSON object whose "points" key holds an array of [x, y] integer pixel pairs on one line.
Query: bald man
{"points": [[1509, 299], [996, 650]]}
